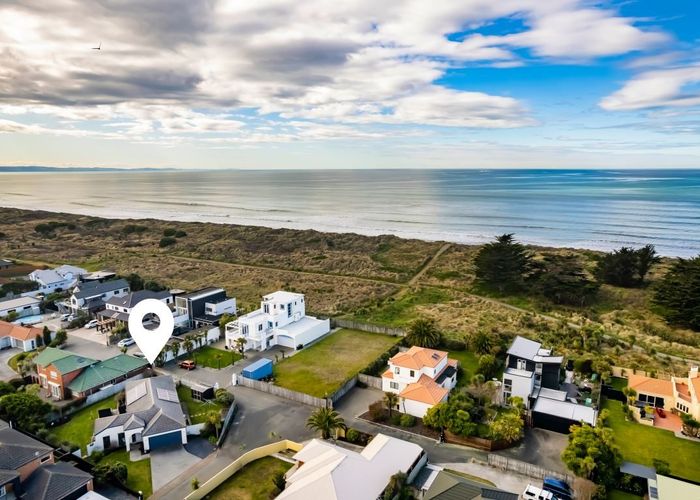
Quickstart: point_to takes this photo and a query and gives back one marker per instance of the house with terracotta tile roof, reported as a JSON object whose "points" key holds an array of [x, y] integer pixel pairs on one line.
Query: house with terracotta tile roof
{"points": [[679, 394], [22, 337], [421, 377]]}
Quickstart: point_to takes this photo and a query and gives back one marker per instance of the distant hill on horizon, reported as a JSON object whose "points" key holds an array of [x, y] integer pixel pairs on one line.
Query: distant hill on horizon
{"points": [[34, 168]]}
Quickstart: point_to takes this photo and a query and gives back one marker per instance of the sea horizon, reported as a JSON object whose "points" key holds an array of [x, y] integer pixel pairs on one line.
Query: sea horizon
{"points": [[597, 209]]}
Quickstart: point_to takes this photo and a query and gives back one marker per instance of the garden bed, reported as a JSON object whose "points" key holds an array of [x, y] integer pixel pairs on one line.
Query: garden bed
{"points": [[417, 428]]}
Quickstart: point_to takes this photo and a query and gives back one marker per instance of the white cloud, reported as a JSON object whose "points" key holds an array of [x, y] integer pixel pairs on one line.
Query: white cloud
{"points": [[181, 68], [654, 89]]}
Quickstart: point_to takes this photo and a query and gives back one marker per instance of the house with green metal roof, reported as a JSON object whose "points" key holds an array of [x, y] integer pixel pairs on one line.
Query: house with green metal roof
{"points": [[63, 374], [104, 373]]}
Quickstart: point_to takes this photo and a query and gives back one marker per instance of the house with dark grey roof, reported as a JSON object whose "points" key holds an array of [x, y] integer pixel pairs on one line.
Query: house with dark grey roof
{"points": [[119, 307], [446, 486], [203, 307], [153, 417], [533, 374], [28, 470], [58, 481], [91, 296]]}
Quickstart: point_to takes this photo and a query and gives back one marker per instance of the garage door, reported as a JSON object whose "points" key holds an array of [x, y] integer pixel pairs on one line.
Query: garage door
{"points": [[551, 422], [168, 439]]}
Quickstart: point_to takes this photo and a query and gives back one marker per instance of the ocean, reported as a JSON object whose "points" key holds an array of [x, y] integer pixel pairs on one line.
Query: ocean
{"points": [[595, 209]]}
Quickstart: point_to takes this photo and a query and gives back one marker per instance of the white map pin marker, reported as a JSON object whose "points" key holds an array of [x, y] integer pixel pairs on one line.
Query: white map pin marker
{"points": [[151, 342]]}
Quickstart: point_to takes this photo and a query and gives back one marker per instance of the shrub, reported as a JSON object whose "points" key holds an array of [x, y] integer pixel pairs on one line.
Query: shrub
{"points": [[169, 232], [195, 483], [180, 234], [395, 419], [166, 242], [134, 228], [407, 420], [279, 480], [376, 411], [454, 345], [223, 397], [107, 472], [352, 435]]}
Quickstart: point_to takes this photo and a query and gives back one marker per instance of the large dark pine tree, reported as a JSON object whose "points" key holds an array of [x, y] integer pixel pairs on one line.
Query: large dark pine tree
{"points": [[678, 293], [503, 264]]}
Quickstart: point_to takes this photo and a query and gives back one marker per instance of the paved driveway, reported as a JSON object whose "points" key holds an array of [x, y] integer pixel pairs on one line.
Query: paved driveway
{"points": [[168, 463], [540, 447], [6, 373]]}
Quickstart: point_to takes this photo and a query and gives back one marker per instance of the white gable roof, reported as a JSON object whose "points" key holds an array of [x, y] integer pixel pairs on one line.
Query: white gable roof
{"points": [[331, 472]]}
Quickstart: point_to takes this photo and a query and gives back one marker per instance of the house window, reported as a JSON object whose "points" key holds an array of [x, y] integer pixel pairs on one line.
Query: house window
{"points": [[266, 308], [413, 373], [260, 327], [53, 374], [394, 385], [45, 459], [682, 407], [522, 364], [245, 330], [397, 370]]}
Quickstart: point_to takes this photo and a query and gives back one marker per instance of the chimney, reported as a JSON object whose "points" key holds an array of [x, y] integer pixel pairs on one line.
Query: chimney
{"points": [[693, 372]]}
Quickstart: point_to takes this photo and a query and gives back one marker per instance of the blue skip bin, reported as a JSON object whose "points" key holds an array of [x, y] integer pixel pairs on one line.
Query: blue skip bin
{"points": [[259, 370]]}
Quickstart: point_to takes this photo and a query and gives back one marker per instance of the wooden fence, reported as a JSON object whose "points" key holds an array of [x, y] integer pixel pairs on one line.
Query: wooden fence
{"points": [[531, 470], [367, 327], [263, 451], [369, 381]]}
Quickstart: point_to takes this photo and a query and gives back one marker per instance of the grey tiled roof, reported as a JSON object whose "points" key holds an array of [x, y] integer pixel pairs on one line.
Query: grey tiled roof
{"points": [[16, 449], [133, 298], [55, 481], [92, 288], [150, 411], [7, 475]]}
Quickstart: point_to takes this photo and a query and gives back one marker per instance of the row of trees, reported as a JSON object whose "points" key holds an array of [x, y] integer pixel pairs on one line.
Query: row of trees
{"points": [[509, 267]]}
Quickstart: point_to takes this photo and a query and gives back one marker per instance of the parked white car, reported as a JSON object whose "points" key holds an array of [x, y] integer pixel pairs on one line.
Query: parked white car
{"points": [[64, 317], [91, 324], [126, 342]]}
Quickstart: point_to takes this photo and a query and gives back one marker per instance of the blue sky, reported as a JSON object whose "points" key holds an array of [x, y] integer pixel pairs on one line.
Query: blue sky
{"points": [[415, 83]]}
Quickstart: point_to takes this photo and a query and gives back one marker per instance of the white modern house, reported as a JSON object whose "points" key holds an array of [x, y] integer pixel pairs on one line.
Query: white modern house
{"points": [[23, 306], [329, 472], [60, 278], [421, 377], [281, 320], [91, 296], [153, 416]]}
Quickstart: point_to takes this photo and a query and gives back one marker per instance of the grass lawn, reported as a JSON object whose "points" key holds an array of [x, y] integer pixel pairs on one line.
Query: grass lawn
{"points": [[139, 476], [641, 444], [196, 409], [12, 362], [469, 361], [618, 383], [321, 368], [207, 356], [622, 495], [252, 482], [79, 428]]}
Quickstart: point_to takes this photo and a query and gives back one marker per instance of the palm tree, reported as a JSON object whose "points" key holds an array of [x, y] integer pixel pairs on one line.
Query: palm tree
{"points": [[166, 349], [240, 344], [214, 418], [391, 399], [423, 332], [188, 344], [326, 421], [175, 347]]}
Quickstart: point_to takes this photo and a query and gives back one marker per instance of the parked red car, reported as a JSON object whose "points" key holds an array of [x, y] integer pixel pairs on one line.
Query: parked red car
{"points": [[660, 412], [187, 364]]}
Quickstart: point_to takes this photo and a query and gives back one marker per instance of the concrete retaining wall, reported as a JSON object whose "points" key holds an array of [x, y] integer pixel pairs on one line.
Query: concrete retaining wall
{"points": [[374, 382], [264, 451]]}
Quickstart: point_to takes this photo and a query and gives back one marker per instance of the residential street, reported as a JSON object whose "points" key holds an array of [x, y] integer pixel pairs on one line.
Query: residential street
{"points": [[262, 418], [6, 373]]}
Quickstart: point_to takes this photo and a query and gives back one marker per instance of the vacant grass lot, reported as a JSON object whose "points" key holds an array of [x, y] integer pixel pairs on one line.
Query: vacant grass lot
{"points": [[78, 429], [139, 476], [252, 482], [214, 358], [641, 444], [322, 368]]}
